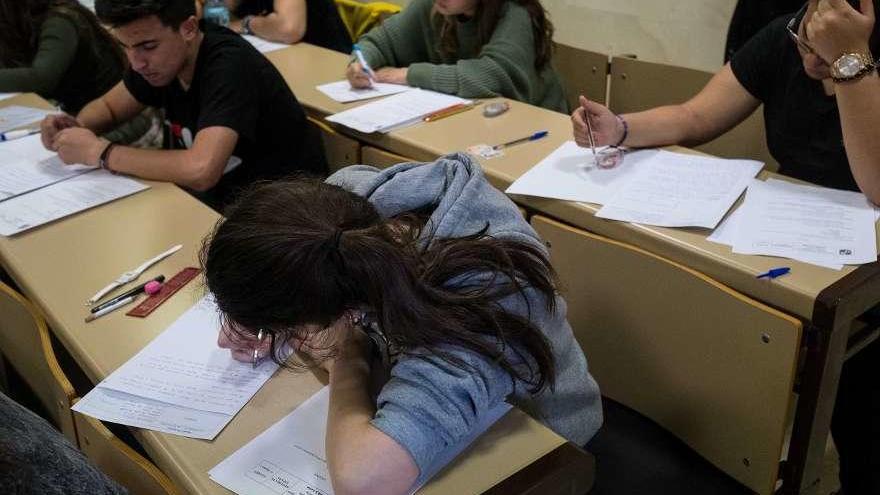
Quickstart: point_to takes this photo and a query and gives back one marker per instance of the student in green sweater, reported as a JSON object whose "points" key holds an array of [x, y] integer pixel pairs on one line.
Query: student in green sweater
{"points": [[470, 48]]}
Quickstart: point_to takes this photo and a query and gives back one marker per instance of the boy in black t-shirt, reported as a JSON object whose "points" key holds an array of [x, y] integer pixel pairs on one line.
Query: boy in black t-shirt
{"points": [[816, 75], [230, 117]]}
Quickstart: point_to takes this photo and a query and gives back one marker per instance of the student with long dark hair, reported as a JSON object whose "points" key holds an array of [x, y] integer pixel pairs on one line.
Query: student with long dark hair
{"points": [[469, 48], [425, 265], [56, 48]]}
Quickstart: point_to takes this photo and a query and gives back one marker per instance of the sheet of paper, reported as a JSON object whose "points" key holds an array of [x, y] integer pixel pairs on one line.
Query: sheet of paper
{"points": [[342, 91], [15, 116], [4, 96], [25, 165], [118, 407], [264, 46], [807, 223], [395, 111], [569, 173], [678, 190], [290, 458], [63, 198], [183, 366]]}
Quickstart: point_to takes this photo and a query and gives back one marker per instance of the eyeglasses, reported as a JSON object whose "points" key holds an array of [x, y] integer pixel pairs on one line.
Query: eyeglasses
{"points": [[792, 27]]}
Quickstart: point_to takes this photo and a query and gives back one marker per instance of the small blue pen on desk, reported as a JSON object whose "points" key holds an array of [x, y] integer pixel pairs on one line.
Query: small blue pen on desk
{"points": [[775, 272], [363, 61], [10, 135], [533, 137]]}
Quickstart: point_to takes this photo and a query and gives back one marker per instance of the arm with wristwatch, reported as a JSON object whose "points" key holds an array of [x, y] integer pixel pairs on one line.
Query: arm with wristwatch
{"points": [[285, 24]]}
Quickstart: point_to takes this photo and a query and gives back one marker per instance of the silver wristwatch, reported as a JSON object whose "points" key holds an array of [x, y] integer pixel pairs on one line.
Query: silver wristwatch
{"points": [[246, 24]]}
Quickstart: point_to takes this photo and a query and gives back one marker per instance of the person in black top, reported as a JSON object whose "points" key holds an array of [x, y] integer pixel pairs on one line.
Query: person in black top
{"points": [[816, 76], [230, 117], [290, 21], [750, 16]]}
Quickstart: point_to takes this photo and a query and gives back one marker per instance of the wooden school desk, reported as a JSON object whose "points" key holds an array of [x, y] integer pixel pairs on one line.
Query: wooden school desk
{"points": [[826, 301], [58, 266]]}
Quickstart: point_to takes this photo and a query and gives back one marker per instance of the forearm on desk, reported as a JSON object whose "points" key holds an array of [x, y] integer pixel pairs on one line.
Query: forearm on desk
{"points": [[859, 106]]}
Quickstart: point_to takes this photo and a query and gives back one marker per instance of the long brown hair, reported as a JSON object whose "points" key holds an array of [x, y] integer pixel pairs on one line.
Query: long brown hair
{"points": [[297, 252], [487, 15], [22, 20]]}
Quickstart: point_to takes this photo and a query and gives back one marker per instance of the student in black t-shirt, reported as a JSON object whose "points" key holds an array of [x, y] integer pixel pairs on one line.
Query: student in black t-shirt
{"points": [[230, 117], [750, 16], [290, 21], [821, 96]]}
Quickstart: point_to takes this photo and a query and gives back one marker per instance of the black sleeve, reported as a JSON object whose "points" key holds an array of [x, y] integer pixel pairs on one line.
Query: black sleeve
{"points": [[229, 95], [142, 90], [754, 65]]}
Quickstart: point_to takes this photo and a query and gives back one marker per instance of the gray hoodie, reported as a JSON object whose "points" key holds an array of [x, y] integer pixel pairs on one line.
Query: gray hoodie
{"points": [[429, 404]]}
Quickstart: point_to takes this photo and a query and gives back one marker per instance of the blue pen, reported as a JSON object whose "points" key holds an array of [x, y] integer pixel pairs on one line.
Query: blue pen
{"points": [[361, 60], [10, 135], [533, 137], [775, 272]]}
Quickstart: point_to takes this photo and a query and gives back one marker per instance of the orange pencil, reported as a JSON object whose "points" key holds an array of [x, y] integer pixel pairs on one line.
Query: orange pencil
{"points": [[446, 112]]}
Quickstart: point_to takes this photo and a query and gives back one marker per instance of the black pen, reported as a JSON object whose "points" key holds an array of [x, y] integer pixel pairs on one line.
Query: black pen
{"points": [[133, 292]]}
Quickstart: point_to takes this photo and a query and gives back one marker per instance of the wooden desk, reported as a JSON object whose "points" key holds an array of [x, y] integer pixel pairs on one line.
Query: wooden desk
{"points": [[59, 265], [827, 300]]}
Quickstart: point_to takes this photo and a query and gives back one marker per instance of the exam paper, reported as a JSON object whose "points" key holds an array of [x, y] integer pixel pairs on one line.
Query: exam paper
{"points": [[264, 46], [3, 96], [180, 383], [25, 165], [290, 458], [678, 190], [569, 173], [15, 116], [395, 111], [808, 223], [62, 199], [342, 91]]}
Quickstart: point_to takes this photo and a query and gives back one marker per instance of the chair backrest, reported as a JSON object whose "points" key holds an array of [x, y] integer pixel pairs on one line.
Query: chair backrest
{"points": [[712, 366], [637, 85], [341, 151], [360, 17], [119, 461], [582, 72], [27, 347]]}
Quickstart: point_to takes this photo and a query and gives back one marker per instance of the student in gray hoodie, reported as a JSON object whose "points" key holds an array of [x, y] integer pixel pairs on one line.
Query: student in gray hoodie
{"points": [[422, 267]]}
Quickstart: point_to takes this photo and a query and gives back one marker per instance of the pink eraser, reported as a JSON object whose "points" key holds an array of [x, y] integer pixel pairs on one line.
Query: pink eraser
{"points": [[152, 287]]}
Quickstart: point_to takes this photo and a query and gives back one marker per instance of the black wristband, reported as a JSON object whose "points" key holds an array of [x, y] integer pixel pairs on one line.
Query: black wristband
{"points": [[104, 159]]}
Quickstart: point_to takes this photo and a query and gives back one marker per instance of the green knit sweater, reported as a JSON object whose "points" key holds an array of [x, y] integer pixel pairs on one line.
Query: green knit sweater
{"points": [[504, 66]]}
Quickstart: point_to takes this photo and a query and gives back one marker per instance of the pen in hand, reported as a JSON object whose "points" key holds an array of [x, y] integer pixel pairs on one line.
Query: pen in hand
{"points": [[364, 65]]}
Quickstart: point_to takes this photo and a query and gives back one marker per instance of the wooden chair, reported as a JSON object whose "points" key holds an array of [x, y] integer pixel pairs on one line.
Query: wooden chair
{"points": [[583, 73], [382, 159], [27, 346], [708, 364], [341, 151], [637, 85]]}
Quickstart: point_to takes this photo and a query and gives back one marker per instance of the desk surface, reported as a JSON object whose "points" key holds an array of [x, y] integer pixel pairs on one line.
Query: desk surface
{"points": [[61, 264], [306, 66]]}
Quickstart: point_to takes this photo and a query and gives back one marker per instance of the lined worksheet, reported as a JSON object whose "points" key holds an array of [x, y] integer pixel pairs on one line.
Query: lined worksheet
{"points": [[396, 111], [342, 91], [263, 46], [25, 165], [15, 116], [181, 382], [290, 456]]}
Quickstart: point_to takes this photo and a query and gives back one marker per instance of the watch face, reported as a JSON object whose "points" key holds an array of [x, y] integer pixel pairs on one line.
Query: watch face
{"points": [[849, 65]]}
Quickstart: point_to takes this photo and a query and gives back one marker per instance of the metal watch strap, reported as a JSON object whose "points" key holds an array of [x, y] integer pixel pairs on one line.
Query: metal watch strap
{"points": [[246, 24]]}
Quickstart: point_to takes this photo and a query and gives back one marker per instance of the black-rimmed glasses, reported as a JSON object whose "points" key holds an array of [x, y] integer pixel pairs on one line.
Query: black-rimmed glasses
{"points": [[792, 28]]}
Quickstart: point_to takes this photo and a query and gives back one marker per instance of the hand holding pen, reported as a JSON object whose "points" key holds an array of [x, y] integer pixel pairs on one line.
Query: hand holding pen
{"points": [[359, 72]]}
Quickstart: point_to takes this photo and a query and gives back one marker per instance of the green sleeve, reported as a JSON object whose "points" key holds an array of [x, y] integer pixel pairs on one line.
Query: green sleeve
{"points": [[505, 65], [55, 52], [402, 39]]}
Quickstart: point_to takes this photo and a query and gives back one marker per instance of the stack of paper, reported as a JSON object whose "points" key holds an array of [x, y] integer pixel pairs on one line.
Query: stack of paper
{"points": [[342, 91], [15, 116], [290, 456], [4, 96], [180, 383], [652, 187], [263, 46], [817, 225], [395, 111], [25, 165]]}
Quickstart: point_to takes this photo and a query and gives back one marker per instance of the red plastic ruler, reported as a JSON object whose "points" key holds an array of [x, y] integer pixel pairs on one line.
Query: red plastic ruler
{"points": [[169, 288]]}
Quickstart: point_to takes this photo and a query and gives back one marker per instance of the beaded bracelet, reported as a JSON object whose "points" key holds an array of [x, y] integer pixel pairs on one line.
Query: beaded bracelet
{"points": [[625, 131]]}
